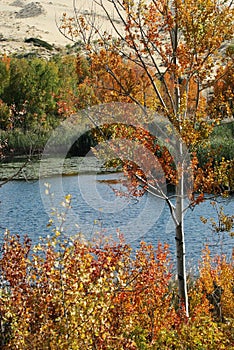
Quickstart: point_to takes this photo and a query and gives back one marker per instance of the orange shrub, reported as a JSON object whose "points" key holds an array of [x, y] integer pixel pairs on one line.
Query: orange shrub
{"points": [[77, 295]]}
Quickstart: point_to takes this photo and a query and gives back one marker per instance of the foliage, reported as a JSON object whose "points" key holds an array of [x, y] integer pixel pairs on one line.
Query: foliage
{"points": [[4, 72], [167, 57], [29, 92], [173, 52], [18, 142], [72, 71], [5, 115], [122, 82], [36, 93], [225, 223], [173, 49], [101, 295], [221, 101], [80, 84], [221, 141]]}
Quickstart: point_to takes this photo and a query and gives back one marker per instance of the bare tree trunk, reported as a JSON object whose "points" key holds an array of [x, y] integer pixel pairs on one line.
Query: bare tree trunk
{"points": [[180, 244], [179, 210]]}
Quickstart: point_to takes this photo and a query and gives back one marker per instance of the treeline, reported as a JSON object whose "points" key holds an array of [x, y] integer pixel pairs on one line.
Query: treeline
{"points": [[37, 94]]}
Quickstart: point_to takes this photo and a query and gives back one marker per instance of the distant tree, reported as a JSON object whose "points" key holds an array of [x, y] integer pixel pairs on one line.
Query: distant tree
{"points": [[30, 91], [222, 96], [4, 72], [72, 94]]}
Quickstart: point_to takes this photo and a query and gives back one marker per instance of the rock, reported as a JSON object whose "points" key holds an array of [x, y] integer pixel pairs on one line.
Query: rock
{"points": [[18, 3], [39, 42], [33, 9], [2, 37]]}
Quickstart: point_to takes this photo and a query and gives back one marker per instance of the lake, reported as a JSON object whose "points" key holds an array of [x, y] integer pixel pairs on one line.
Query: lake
{"points": [[25, 209]]}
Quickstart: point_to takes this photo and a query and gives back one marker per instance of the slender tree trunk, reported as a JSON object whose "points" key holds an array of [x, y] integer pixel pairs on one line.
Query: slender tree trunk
{"points": [[180, 243], [179, 210]]}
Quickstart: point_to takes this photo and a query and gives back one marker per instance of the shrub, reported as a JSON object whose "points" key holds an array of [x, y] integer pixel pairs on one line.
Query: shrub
{"points": [[77, 295]]}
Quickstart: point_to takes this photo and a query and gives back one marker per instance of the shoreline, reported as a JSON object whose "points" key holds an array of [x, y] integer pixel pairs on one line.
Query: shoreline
{"points": [[35, 170]]}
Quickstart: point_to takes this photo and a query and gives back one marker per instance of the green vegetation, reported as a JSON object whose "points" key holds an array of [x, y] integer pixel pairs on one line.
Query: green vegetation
{"points": [[35, 96], [39, 42], [220, 144], [32, 91], [24, 143], [222, 141]]}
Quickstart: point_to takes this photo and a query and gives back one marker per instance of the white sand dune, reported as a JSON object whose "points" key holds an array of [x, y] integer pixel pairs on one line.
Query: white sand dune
{"points": [[21, 19]]}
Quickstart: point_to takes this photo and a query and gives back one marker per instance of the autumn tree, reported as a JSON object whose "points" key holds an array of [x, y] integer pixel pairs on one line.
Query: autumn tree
{"points": [[222, 92], [174, 47]]}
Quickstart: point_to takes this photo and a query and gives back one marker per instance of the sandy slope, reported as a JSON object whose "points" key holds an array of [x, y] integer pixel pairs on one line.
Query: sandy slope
{"points": [[20, 19]]}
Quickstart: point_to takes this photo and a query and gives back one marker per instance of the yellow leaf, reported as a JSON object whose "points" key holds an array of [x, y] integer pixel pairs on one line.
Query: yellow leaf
{"points": [[57, 233]]}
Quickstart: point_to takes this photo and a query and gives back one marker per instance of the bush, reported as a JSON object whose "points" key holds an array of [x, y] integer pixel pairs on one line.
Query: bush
{"points": [[77, 295], [24, 143], [5, 116], [220, 145]]}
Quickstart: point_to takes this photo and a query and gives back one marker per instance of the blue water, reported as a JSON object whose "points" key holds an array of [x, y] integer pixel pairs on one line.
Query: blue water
{"points": [[25, 209]]}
